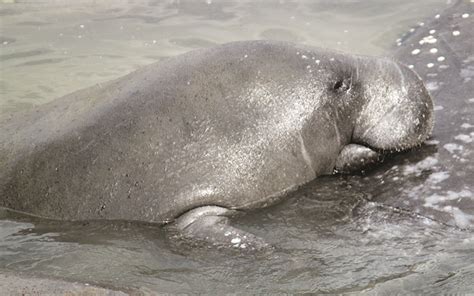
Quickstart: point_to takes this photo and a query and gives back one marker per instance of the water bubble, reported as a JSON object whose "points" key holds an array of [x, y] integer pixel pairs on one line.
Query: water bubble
{"points": [[434, 50], [411, 66], [440, 59], [432, 31], [465, 15], [429, 65], [415, 51], [456, 33], [437, 16]]}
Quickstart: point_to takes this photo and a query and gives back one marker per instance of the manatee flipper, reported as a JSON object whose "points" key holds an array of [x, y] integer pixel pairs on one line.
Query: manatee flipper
{"points": [[211, 224], [355, 158]]}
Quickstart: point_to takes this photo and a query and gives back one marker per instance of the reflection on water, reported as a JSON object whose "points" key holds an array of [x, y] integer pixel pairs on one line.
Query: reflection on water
{"points": [[51, 48], [332, 236]]}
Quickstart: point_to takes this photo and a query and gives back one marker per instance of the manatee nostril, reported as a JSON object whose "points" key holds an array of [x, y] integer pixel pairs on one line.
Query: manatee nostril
{"points": [[342, 85], [338, 84]]}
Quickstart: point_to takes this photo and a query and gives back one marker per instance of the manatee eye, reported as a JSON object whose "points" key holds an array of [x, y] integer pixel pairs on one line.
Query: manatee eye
{"points": [[342, 85]]}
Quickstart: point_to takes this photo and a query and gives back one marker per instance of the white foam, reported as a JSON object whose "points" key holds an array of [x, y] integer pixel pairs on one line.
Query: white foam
{"points": [[463, 138], [452, 147], [236, 240], [438, 177], [423, 165]]}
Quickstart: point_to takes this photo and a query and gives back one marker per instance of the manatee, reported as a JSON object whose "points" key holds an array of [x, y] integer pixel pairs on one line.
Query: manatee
{"points": [[193, 139]]}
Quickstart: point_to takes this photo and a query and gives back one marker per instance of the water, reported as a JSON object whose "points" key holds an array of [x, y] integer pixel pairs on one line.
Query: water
{"points": [[332, 236]]}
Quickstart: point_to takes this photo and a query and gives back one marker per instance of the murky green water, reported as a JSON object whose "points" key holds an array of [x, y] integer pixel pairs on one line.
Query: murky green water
{"points": [[330, 236]]}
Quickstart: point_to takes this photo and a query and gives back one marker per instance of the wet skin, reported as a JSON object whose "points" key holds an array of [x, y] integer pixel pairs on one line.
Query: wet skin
{"points": [[197, 136]]}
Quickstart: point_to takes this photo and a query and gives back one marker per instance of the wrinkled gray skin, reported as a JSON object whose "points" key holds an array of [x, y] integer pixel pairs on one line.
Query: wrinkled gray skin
{"points": [[232, 127]]}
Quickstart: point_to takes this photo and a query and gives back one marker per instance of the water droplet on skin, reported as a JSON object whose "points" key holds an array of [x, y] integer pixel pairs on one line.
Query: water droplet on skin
{"points": [[415, 51], [428, 39], [440, 59], [456, 33], [434, 50]]}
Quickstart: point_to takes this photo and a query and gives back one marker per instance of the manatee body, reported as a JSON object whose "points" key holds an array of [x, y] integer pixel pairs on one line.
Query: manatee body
{"points": [[231, 127]]}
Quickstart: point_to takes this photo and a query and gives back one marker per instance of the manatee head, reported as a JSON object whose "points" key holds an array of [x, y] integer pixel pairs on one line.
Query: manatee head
{"points": [[397, 110]]}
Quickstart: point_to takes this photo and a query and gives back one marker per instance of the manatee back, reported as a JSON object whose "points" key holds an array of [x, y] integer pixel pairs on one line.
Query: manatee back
{"points": [[190, 131]]}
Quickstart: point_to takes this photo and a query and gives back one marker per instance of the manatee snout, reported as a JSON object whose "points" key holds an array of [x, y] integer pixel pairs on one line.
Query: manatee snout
{"points": [[398, 110]]}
